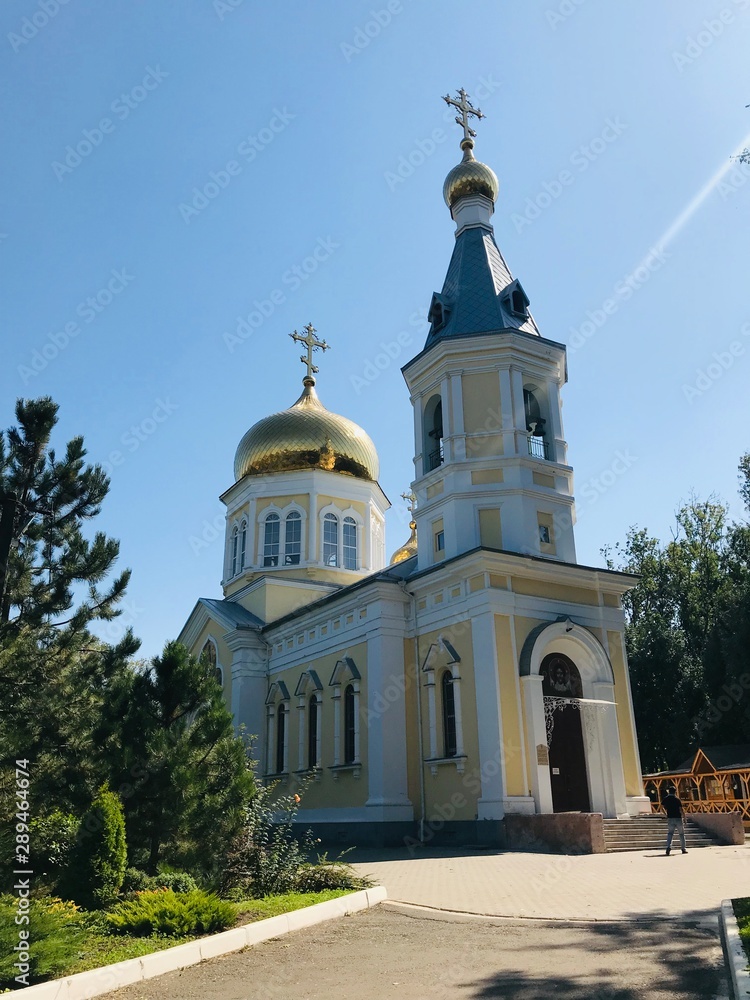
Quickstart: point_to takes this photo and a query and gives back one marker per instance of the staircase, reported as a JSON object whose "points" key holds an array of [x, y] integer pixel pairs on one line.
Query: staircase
{"points": [[649, 833]]}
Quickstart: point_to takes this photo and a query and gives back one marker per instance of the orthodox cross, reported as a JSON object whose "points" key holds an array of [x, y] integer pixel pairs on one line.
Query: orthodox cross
{"points": [[312, 343], [411, 502], [465, 107]]}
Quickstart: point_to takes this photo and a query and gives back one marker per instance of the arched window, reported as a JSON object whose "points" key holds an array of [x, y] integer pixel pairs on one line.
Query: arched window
{"points": [[449, 715], [313, 727], [350, 543], [271, 538], [433, 433], [331, 540], [281, 715], [350, 725], [243, 544], [209, 652], [535, 424], [235, 551], [293, 539]]}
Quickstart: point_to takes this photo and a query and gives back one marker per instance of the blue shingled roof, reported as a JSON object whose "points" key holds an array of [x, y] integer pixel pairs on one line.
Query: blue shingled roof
{"points": [[473, 290], [231, 613]]}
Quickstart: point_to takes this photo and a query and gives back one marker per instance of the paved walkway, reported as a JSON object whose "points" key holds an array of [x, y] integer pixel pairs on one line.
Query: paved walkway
{"points": [[386, 954], [628, 886]]}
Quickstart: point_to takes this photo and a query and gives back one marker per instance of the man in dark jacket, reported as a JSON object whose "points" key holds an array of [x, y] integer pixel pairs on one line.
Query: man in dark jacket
{"points": [[673, 809]]}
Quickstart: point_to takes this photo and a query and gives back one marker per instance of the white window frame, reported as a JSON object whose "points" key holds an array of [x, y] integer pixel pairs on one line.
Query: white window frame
{"points": [[282, 513], [341, 516], [345, 673]]}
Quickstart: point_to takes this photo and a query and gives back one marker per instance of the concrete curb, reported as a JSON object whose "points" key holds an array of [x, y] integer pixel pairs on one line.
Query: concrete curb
{"points": [[112, 977], [735, 952]]}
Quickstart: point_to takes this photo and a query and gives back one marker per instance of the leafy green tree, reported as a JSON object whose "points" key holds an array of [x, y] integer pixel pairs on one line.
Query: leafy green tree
{"points": [[671, 614], [174, 724]]}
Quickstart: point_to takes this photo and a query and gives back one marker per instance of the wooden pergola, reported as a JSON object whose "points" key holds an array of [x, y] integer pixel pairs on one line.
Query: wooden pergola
{"points": [[714, 780]]}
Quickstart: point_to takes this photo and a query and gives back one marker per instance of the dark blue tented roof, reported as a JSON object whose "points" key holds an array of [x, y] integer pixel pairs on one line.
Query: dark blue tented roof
{"points": [[473, 290]]}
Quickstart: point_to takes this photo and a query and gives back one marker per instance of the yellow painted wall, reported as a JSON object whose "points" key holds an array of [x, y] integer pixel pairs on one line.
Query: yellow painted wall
{"points": [[448, 789], [515, 781], [224, 653], [624, 718], [554, 591], [482, 477], [490, 533], [481, 402], [345, 790]]}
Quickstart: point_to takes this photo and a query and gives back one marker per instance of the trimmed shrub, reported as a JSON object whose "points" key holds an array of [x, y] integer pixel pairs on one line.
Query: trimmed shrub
{"points": [[97, 862], [56, 935], [172, 914], [135, 880]]}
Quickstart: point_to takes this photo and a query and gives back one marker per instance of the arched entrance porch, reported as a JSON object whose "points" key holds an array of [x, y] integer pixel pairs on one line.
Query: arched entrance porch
{"points": [[568, 686]]}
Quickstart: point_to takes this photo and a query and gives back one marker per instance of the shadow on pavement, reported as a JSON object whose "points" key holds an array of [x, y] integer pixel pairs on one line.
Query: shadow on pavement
{"points": [[657, 958]]}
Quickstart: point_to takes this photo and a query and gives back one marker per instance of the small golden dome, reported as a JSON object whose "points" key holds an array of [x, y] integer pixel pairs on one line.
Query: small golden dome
{"points": [[306, 436], [470, 177], [409, 549]]}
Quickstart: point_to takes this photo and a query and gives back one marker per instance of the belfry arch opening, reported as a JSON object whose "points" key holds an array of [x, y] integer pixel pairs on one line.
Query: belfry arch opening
{"points": [[433, 433], [534, 406]]}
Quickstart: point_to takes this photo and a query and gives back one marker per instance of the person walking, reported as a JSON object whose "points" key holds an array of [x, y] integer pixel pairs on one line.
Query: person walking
{"points": [[673, 809]]}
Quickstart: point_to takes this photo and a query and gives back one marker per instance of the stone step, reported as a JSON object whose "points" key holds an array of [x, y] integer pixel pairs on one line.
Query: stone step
{"points": [[649, 833]]}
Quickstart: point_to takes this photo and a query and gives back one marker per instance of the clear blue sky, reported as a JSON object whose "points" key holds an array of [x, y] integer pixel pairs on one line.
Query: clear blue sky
{"points": [[317, 104]]}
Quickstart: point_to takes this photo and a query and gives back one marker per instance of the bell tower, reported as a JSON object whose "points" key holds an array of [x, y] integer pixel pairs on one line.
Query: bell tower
{"points": [[490, 456]]}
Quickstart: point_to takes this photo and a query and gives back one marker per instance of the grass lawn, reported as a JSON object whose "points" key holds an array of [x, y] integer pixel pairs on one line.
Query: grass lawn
{"points": [[105, 949], [742, 912]]}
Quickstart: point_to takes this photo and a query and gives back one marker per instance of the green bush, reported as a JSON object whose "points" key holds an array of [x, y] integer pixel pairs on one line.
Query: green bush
{"points": [[136, 880], [56, 936], [172, 914], [266, 857], [330, 875], [52, 839], [97, 862]]}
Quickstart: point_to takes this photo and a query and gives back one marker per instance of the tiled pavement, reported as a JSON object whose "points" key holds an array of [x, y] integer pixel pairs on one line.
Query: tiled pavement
{"points": [[629, 885]]}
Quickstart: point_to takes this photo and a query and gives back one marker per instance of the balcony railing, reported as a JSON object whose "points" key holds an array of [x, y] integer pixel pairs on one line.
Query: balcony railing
{"points": [[434, 459], [538, 447]]}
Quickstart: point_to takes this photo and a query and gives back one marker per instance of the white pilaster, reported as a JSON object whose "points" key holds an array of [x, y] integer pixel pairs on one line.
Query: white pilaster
{"points": [[533, 701], [489, 720]]}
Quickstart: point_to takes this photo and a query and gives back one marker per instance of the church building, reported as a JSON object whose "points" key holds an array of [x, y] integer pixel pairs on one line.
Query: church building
{"points": [[480, 673]]}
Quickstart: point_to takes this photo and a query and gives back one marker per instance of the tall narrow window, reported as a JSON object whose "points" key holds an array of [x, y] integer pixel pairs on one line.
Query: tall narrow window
{"points": [[281, 739], [235, 544], [293, 539], [271, 540], [312, 732], [449, 715], [331, 540], [243, 544], [350, 723], [209, 651], [350, 543]]}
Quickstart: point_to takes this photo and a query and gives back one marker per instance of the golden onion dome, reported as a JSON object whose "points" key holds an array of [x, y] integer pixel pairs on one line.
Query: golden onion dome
{"points": [[306, 436], [409, 549], [470, 177]]}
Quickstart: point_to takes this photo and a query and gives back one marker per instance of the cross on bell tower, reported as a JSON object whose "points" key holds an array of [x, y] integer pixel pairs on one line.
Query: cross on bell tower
{"points": [[312, 343], [465, 107]]}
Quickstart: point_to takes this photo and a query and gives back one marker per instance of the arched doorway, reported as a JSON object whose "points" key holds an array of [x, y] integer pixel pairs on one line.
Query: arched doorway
{"points": [[562, 690]]}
